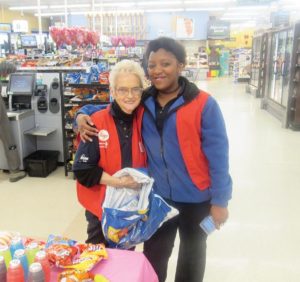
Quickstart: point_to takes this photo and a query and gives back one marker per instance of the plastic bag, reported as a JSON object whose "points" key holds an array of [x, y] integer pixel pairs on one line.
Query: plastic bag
{"points": [[131, 216]]}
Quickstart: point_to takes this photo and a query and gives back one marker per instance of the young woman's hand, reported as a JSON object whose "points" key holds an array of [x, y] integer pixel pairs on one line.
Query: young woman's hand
{"points": [[219, 215], [85, 127]]}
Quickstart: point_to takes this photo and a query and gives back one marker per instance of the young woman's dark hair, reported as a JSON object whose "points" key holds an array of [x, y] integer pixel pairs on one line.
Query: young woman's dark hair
{"points": [[169, 45]]}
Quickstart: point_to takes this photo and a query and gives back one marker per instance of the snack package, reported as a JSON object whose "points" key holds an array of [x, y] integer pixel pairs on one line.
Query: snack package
{"points": [[6, 236], [94, 74], [85, 78], [28, 241], [60, 250], [59, 240], [90, 255], [74, 276], [73, 78], [61, 255], [104, 78]]}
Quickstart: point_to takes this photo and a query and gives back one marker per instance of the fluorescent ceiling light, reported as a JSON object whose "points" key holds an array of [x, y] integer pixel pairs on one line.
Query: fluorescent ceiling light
{"points": [[241, 14], [205, 9], [236, 19], [248, 8], [158, 3], [128, 12], [78, 13], [22, 8], [209, 2], [164, 10], [70, 6], [115, 4], [50, 14]]}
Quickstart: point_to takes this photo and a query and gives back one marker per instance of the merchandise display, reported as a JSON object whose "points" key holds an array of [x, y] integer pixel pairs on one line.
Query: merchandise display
{"points": [[256, 84], [241, 65], [281, 89], [63, 259]]}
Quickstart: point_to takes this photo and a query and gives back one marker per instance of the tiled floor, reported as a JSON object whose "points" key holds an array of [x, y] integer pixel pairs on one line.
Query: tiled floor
{"points": [[259, 243]]}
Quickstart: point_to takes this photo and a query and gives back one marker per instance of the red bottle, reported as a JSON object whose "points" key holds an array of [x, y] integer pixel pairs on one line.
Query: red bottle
{"points": [[15, 272], [41, 257]]}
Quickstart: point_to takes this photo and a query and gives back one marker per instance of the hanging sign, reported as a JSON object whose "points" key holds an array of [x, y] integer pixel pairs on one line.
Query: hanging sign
{"points": [[5, 28], [20, 26], [218, 30]]}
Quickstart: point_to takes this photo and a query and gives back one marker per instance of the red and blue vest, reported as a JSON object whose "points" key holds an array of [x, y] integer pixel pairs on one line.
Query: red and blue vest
{"points": [[188, 126], [110, 157]]}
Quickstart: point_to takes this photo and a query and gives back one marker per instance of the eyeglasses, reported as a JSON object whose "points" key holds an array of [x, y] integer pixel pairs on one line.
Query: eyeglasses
{"points": [[135, 91]]}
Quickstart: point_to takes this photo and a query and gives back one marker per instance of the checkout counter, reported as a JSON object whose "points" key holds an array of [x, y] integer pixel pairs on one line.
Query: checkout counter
{"points": [[35, 116]]}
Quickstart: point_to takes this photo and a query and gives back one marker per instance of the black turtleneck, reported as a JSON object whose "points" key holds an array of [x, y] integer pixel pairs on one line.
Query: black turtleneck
{"points": [[123, 123], [88, 172]]}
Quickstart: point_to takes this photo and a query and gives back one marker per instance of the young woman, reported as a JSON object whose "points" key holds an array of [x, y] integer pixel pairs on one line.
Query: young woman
{"points": [[187, 153], [118, 144]]}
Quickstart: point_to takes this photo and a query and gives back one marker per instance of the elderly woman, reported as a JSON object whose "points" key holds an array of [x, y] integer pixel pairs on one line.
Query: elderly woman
{"points": [[118, 145]]}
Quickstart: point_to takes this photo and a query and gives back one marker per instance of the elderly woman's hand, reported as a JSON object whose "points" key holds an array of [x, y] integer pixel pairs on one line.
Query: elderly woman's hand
{"points": [[128, 181], [85, 127]]}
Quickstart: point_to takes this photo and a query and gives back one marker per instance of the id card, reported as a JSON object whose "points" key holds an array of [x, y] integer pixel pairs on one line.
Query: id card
{"points": [[208, 225]]}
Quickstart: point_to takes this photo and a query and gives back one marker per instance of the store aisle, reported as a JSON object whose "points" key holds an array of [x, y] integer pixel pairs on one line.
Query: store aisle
{"points": [[259, 243]]}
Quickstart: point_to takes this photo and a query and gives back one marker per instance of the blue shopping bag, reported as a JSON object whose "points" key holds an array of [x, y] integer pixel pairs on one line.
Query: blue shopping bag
{"points": [[135, 218]]}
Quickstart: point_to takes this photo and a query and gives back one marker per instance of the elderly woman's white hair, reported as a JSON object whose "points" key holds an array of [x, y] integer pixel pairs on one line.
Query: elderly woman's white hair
{"points": [[126, 66]]}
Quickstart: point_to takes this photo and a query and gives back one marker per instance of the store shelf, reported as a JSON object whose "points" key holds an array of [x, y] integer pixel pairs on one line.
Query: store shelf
{"points": [[40, 131], [74, 97], [83, 103], [87, 85], [52, 69]]}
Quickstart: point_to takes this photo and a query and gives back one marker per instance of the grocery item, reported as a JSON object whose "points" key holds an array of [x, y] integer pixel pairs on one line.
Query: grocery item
{"points": [[21, 256], [5, 252], [100, 278], [15, 244], [61, 255], [15, 271], [2, 269], [59, 240], [31, 251], [6, 236], [41, 257], [36, 273], [75, 276], [90, 255]]}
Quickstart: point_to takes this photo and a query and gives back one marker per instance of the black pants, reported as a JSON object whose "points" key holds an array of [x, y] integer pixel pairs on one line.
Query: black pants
{"points": [[192, 249], [94, 229]]}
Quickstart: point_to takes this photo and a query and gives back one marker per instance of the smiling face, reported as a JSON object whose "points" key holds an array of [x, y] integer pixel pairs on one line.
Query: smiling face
{"points": [[164, 70], [127, 92]]}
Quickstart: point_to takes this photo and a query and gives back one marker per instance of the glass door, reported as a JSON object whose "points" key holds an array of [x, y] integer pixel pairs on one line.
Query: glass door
{"points": [[287, 67], [277, 54], [255, 61]]}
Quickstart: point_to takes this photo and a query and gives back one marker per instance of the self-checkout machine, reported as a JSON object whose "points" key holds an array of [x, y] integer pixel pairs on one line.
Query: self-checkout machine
{"points": [[46, 103], [21, 116], [35, 114]]}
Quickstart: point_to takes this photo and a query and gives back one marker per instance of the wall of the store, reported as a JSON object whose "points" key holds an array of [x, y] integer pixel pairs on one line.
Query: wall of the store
{"points": [[7, 16], [157, 24], [78, 20], [240, 39], [164, 24]]}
